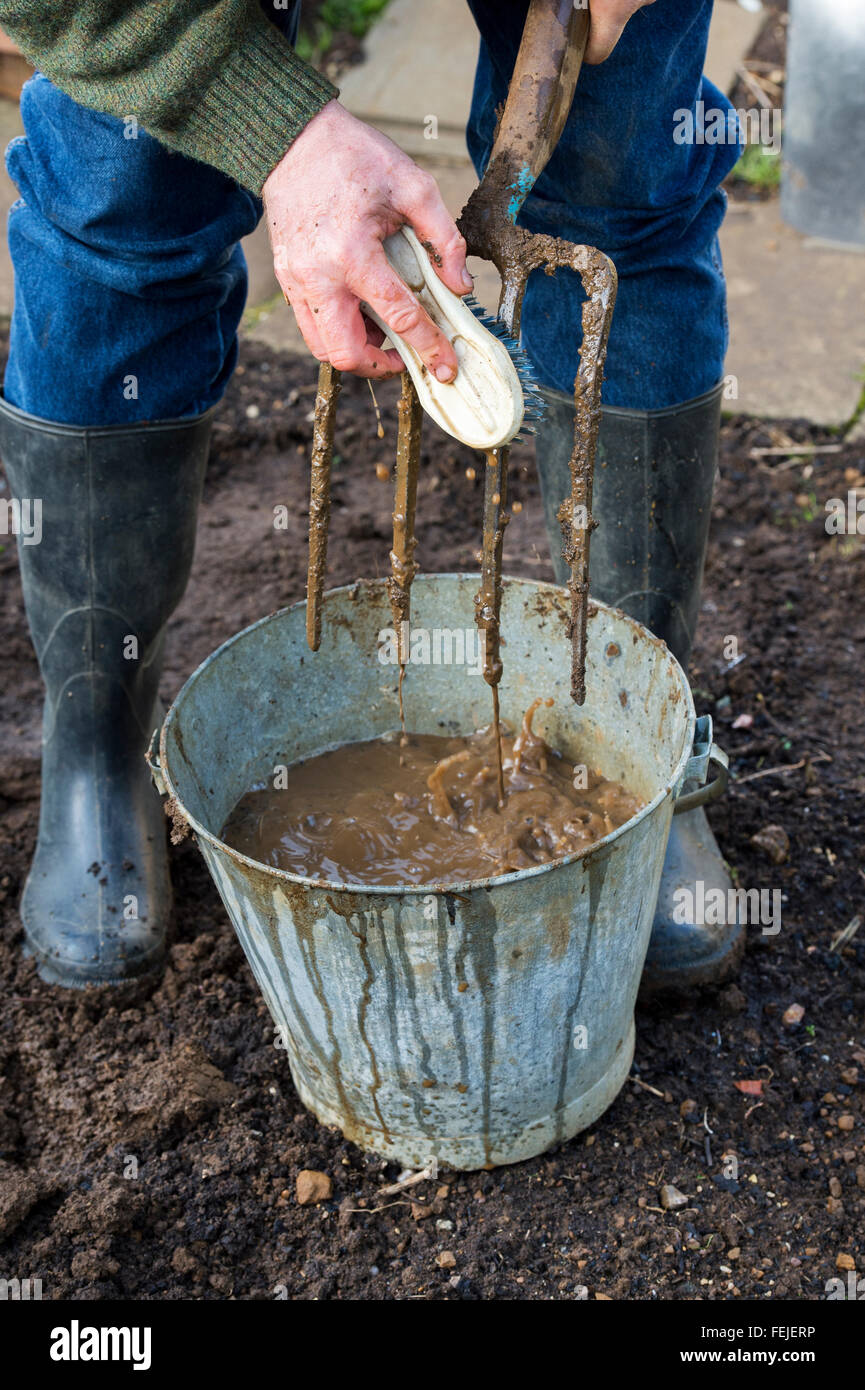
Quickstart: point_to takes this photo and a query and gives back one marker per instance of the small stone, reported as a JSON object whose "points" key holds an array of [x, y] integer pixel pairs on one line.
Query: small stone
{"points": [[421, 1210], [835, 1187], [793, 1016], [844, 1261], [850, 1076], [774, 841], [446, 1260], [183, 1261], [734, 1252], [312, 1187], [732, 1001], [252, 412], [671, 1198], [846, 1122], [689, 1110]]}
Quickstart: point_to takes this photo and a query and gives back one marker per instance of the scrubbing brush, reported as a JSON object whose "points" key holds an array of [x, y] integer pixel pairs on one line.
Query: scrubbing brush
{"points": [[494, 397]]}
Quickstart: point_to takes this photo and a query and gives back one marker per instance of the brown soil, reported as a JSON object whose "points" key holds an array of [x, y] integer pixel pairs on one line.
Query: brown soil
{"points": [[151, 1138]]}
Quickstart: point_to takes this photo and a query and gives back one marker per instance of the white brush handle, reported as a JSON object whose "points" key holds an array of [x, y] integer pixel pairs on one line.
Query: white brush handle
{"points": [[484, 406]]}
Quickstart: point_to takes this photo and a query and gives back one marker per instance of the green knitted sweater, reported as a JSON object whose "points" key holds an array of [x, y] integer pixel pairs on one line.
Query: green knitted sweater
{"points": [[213, 79]]}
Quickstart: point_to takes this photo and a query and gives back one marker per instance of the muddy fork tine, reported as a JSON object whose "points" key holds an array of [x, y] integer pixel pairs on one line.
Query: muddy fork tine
{"points": [[319, 497], [539, 99], [488, 600], [402, 561]]}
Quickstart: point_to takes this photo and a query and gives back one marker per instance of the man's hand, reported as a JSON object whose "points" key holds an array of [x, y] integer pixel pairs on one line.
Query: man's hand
{"points": [[608, 19], [339, 190]]}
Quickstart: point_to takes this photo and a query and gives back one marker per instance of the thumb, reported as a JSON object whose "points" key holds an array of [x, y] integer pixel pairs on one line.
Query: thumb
{"points": [[607, 22]]}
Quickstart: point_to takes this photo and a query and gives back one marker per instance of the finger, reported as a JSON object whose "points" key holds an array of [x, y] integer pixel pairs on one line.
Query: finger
{"points": [[342, 331], [419, 201], [607, 24], [375, 281]]}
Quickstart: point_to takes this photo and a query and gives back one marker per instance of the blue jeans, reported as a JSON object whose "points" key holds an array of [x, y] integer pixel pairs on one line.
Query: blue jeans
{"points": [[130, 283], [618, 181], [129, 278]]}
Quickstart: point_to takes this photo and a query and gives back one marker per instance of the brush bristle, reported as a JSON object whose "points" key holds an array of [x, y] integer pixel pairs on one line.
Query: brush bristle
{"points": [[534, 404]]}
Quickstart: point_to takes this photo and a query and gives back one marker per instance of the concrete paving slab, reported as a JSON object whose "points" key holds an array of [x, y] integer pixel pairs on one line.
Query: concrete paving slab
{"points": [[10, 127], [259, 260], [416, 80], [731, 34], [797, 332]]}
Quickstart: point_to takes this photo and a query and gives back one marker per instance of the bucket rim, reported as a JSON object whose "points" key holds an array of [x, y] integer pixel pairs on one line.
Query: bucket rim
{"points": [[419, 889]]}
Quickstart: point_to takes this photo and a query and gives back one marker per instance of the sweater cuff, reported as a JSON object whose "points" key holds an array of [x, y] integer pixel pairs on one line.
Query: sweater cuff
{"points": [[256, 106]]}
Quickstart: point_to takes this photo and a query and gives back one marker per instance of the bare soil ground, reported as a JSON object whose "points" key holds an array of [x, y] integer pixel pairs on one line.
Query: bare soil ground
{"points": [[150, 1138]]}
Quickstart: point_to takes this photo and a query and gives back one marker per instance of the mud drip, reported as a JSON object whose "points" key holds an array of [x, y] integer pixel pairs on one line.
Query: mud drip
{"points": [[402, 561], [488, 600], [427, 810], [319, 497]]}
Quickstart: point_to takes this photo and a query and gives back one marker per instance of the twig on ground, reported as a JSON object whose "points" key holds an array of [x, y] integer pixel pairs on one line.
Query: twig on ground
{"points": [[782, 768], [760, 453], [646, 1087], [407, 1180], [846, 934], [370, 1211], [754, 87]]}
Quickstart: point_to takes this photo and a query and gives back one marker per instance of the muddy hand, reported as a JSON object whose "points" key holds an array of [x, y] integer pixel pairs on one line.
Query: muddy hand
{"points": [[608, 20], [339, 190]]}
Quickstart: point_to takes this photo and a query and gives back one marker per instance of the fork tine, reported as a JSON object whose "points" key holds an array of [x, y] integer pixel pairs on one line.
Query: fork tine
{"points": [[403, 566], [319, 496]]}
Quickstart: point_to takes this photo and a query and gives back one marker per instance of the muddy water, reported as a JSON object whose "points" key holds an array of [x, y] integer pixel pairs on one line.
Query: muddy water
{"points": [[426, 810]]}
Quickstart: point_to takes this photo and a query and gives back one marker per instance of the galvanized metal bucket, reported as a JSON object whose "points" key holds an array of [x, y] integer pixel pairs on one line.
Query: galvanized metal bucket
{"points": [[475, 1025]]}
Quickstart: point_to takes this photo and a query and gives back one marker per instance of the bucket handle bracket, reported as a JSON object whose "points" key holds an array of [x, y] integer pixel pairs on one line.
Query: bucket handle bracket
{"points": [[151, 757], [705, 753]]}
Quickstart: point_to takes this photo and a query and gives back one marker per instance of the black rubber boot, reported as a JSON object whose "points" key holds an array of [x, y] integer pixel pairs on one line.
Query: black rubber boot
{"points": [[654, 478], [118, 513]]}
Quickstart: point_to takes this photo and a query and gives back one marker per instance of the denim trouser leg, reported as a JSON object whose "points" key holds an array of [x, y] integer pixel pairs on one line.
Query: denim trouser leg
{"points": [[620, 182], [129, 280]]}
